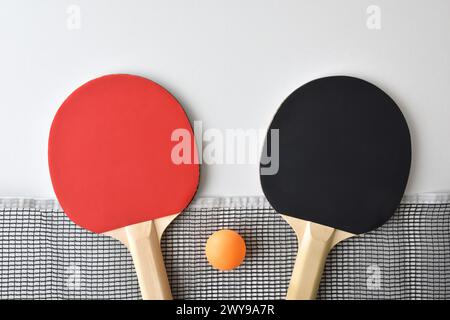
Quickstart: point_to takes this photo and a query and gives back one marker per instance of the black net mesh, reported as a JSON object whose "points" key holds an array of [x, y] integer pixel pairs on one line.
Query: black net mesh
{"points": [[43, 255]]}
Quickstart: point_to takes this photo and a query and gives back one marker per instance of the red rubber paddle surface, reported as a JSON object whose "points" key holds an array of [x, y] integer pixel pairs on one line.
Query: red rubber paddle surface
{"points": [[110, 154]]}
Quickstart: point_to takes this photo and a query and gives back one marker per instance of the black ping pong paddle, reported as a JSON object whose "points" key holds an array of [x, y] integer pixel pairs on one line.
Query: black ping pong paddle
{"points": [[344, 160]]}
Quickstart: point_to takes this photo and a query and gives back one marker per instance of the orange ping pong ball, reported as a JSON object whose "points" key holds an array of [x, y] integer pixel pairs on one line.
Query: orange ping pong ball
{"points": [[225, 249]]}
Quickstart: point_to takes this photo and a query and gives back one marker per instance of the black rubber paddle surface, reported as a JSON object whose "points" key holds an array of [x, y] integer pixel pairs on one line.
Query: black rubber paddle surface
{"points": [[344, 155]]}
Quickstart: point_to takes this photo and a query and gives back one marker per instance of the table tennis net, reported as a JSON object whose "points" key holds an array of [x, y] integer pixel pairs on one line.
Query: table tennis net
{"points": [[43, 255]]}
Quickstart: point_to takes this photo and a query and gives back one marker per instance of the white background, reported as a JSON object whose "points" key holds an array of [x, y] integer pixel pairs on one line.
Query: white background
{"points": [[231, 63]]}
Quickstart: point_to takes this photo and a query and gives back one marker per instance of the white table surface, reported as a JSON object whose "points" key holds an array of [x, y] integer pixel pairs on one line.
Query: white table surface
{"points": [[231, 63]]}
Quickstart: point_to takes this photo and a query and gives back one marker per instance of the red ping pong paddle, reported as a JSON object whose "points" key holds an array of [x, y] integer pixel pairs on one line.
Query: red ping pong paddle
{"points": [[110, 159], [344, 159]]}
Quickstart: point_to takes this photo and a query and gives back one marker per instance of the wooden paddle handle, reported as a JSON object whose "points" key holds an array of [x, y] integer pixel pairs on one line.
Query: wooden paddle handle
{"points": [[313, 249], [143, 243]]}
